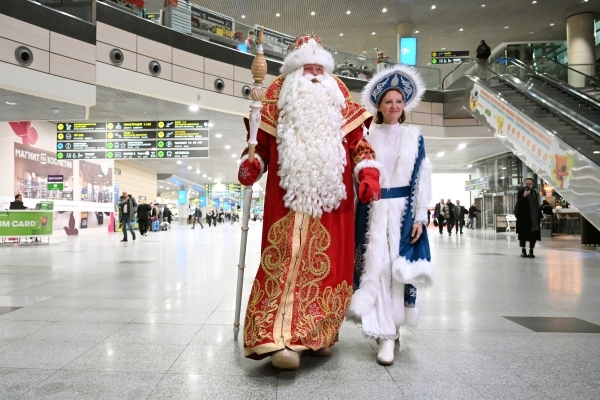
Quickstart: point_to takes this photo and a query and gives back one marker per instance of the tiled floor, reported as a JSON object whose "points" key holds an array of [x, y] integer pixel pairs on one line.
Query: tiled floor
{"points": [[152, 319]]}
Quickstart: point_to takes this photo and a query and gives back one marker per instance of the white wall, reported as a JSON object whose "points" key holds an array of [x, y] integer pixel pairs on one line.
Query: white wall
{"points": [[449, 186]]}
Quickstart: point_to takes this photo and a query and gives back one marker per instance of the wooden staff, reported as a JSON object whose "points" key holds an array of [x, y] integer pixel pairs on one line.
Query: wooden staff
{"points": [[259, 70]]}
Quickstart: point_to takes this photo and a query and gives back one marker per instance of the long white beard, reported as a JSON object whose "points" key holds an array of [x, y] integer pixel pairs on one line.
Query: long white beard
{"points": [[312, 157]]}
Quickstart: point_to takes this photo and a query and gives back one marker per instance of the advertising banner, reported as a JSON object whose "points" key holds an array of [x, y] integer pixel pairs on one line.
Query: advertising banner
{"points": [[25, 223], [541, 150]]}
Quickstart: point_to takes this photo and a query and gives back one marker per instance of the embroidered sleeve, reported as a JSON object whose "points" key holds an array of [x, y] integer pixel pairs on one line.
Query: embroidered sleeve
{"points": [[363, 151], [423, 195]]}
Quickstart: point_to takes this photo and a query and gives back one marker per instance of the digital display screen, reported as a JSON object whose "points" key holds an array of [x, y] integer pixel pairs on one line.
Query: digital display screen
{"points": [[182, 197], [408, 51]]}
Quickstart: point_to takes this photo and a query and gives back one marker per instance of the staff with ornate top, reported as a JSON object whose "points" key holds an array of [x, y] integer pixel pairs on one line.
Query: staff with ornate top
{"points": [[259, 70]]}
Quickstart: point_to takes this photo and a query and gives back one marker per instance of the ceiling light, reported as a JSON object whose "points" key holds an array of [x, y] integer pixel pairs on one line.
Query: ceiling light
{"points": [[462, 146], [341, 34], [218, 135], [483, 5], [178, 162], [197, 171], [506, 27], [161, 187], [596, 152], [440, 154], [461, 29], [209, 178], [443, 48], [552, 24], [384, 9], [167, 188], [347, 12], [534, 2], [234, 155], [312, 13], [227, 147], [501, 177], [10, 103], [172, 192], [469, 166], [210, 124], [243, 16], [433, 7], [372, 33], [416, 31], [530, 33], [193, 108], [278, 15], [204, 175], [189, 167]]}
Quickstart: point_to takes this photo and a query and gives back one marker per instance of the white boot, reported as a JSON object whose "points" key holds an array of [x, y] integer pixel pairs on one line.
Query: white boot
{"points": [[385, 356]]}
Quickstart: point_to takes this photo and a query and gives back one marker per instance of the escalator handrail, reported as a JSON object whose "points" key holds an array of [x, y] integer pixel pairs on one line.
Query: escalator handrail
{"points": [[451, 72], [547, 102], [595, 80], [559, 84]]}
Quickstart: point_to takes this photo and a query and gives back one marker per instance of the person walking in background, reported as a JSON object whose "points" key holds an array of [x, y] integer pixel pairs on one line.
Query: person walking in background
{"points": [[428, 216], [527, 211], [127, 208], [437, 214], [472, 210], [143, 216], [154, 218], [197, 217], [460, 217], [449, 215], [168, 215], [482, 55]]}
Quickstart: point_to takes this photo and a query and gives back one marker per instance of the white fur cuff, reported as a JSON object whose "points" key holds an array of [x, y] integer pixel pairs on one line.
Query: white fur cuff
{"points": [[308, 55], [418, 273], [370, 164], [260, 161]]}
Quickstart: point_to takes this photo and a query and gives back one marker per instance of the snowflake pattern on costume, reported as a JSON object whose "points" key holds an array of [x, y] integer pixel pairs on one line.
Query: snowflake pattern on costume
{"points": [[244, 173]]}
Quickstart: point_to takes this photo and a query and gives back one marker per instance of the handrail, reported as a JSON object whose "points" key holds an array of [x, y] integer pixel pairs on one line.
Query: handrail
{"points": [[450, 73], [597, 81]]}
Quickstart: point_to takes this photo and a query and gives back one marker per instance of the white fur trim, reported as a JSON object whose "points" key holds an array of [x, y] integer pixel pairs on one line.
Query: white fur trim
{"points": [[398, 309], [370, 164], [403, 69], [307, 55], [418, 273], [411, 317], [260, 161]]}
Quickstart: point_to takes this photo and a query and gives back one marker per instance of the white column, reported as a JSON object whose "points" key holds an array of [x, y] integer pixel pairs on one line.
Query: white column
{"points": [[581, 47], [403, 29]]}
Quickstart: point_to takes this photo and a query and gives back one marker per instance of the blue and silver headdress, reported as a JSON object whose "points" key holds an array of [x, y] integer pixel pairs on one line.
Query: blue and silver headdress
{"points": [[402, 77]]}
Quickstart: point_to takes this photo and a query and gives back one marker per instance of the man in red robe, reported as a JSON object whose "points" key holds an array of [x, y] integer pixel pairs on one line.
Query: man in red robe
{"points": [[311, 141]]}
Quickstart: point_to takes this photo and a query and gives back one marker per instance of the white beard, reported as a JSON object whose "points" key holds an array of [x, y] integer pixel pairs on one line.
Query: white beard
{"points": [[312, 157]]}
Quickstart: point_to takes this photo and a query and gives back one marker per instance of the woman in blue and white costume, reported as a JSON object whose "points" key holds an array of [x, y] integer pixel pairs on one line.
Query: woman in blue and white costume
{"points": [[392, 249]]}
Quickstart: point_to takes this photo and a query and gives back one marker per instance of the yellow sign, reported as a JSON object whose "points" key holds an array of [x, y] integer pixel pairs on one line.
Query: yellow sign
{"points": [[434, 54], [161, 134], [161, 124], [60, 127], [61, 136], [110, 135], [109, 125]]}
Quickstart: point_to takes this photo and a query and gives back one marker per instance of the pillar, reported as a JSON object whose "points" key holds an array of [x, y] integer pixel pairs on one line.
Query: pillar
{"points": [[581, 47], [183, 210], [403, 29]]}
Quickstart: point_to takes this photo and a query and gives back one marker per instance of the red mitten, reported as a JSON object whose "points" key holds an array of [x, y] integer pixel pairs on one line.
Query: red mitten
{"points": [[368, 187], [249, 172]]}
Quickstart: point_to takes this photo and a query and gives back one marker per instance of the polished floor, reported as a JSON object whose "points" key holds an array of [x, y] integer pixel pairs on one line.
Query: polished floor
{"points": [[91, 318]]}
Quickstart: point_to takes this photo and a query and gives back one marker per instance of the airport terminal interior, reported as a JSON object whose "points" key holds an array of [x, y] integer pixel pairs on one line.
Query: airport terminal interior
{"points": [[154, 243]]}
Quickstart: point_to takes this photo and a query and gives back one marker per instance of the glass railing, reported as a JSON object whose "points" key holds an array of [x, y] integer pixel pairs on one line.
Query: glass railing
{"points": [[217, 28]]}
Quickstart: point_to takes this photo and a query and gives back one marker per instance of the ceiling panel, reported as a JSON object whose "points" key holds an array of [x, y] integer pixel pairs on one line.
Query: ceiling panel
{"points": [[15, 106]]}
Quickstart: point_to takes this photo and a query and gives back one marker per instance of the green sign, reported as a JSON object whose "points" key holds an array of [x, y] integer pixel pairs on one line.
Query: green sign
{"points": [[55, 186], [25, 223], [46, 205]]}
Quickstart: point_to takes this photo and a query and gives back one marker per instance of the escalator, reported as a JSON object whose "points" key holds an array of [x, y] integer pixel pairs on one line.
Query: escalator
{"points": [[551, 126]]}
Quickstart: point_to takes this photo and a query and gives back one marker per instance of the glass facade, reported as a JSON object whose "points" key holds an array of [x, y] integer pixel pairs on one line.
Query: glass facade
{"points": [[505, 173]]}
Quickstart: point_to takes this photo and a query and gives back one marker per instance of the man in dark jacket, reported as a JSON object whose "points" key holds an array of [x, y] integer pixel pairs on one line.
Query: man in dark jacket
{"points": [[127, 209], [197, 217], [527, 211], [143, 216], [472, 210], [460, 217], [437, 214], [482, 54], [449, 214]]}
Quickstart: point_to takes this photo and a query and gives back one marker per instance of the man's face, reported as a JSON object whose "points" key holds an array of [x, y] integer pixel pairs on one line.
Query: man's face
{"points": [[313, 69], [441, 201], [20, 198], [449, 201], [125, 194], [529, 183], [458, 202]]}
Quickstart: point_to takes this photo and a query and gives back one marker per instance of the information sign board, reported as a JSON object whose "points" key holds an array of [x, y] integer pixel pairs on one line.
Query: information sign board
{"points": [[477, 184], [130, 140]]}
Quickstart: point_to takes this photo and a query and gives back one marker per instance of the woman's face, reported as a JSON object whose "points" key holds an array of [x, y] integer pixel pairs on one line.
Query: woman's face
{"points": [[391, 107]]}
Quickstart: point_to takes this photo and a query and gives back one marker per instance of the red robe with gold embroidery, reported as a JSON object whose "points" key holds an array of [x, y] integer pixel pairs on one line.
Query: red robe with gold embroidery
{"points": [[304, 284]]}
